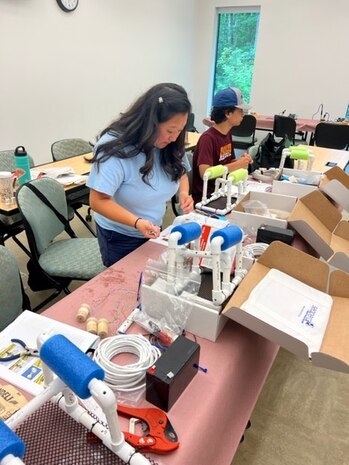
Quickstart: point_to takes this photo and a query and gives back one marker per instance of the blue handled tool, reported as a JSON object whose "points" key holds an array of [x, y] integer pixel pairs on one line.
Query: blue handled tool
{"points": [[26, 352]]}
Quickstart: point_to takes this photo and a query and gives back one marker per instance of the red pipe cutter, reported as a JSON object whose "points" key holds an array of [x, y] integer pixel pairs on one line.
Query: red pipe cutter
{"points": [[160, 437]]}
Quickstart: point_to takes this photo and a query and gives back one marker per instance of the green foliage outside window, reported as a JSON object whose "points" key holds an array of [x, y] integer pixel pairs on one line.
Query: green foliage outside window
{"points": [[236, 48]]}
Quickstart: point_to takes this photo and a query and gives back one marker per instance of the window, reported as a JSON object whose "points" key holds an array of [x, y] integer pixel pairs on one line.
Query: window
{"points": [[235, 49]]}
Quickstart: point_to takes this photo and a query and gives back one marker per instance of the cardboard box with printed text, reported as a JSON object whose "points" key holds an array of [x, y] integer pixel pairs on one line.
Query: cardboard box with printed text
{"points": [[334, 350]]}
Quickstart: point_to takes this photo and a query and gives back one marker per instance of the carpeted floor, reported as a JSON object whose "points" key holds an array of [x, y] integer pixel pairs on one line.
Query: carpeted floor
{"points": [[301, 417]]}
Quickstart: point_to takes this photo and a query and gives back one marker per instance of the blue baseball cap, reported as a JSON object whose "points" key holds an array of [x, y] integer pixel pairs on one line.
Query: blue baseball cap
{"points": [[230, 97]]}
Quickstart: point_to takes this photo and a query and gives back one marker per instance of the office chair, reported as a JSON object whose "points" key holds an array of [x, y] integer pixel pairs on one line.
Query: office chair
{"points": [[174, 200], [190, 123], [284, 126], [11, 225], [253, 150], [13, 299], [67, 148], [244, 134], [55, 261], [332, 136]]}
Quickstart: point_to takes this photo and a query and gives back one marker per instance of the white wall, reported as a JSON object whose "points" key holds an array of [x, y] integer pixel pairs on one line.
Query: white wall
{"points": [[68, 75], [302, 56]]}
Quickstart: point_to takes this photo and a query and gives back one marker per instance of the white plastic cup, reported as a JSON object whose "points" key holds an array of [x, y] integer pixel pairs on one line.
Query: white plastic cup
{"points": [[6, 187]]}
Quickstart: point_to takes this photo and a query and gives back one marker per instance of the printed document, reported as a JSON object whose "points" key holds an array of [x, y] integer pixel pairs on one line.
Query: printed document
{"points": [[26, 372], [292, 307]]}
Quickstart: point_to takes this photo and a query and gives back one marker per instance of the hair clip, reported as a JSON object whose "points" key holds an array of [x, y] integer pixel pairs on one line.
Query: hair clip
{"points": [[161, 100]]}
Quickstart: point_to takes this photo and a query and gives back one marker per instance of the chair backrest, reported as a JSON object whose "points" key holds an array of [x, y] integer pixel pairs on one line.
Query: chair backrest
{"points": [[190, 123], [247, 127], [252, 151], [11, 290], [41, 223], [7, 160], [284, 126], [332, 136], [67, 148]]}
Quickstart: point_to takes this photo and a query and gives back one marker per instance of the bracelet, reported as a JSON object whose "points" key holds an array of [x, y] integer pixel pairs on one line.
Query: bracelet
{"points": [[135, 225]]}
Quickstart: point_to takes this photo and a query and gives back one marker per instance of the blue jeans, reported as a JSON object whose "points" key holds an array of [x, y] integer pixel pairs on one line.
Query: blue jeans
{"points": [[114, 246]]}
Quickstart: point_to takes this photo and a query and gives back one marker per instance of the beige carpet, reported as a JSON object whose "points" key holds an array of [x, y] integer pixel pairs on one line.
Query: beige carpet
{"points": [[301, 417]]}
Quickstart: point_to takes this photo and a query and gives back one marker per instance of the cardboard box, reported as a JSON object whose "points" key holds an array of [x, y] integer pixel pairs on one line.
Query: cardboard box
{"points": [[284, 203], [335, 184], [320, 224], [334, 350], [292, 188]]}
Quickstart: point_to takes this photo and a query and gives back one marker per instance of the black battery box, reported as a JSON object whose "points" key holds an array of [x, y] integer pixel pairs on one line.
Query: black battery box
{"points": [[268, 234], [172, 372]]}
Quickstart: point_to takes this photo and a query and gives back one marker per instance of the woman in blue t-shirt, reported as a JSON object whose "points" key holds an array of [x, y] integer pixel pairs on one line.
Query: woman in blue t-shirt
{"points": [[139, 163]]}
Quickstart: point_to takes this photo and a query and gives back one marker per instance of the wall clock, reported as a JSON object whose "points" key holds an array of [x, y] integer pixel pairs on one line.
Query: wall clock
{"points": [[68, 5]]}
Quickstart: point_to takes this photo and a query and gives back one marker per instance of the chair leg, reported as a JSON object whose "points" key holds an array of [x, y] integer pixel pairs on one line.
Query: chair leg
{"points": [[88, 216], [19, 243], [173, 204], [85, 223], [46, 301]]}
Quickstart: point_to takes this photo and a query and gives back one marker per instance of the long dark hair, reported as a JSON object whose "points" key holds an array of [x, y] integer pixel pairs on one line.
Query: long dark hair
{"points": [[138, 127]]}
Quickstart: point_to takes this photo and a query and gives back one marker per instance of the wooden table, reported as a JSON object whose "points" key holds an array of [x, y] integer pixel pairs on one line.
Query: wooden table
{"points": [[79, 164], [324, 155], [191, 140]]}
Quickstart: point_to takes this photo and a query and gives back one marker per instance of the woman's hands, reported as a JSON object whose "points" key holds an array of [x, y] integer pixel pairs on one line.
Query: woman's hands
{"points": [[148, 229], [106, 206], [186, 202]]}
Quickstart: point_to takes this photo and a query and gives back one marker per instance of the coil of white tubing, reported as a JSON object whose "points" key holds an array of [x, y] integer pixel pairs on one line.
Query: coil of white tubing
{"points": [[254, 250], [126, 378]]}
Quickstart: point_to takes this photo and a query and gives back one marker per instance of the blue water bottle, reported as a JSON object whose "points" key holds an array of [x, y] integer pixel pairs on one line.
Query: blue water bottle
{"points": [[22, 162]]}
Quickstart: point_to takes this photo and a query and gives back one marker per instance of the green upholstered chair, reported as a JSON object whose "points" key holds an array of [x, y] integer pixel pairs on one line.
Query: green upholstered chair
{"points": [[66, 148], [13, 299], [58, 260], [73, 147], [11, 225], [253, 150]]}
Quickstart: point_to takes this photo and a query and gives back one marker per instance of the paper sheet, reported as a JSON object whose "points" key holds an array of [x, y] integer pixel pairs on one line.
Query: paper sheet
{"points": [[64, 175], [292, 307], [26, 372]]}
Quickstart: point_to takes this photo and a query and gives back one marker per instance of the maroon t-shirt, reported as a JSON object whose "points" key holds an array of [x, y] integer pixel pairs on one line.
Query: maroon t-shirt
{"points": [[213, 148]]}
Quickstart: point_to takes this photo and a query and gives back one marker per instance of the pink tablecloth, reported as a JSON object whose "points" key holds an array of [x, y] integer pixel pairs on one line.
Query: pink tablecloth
{"points": [[302, 124], [211, 414]]}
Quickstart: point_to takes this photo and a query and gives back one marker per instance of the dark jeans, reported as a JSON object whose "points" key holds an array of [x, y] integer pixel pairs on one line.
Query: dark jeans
{"points": [[114, 246]]}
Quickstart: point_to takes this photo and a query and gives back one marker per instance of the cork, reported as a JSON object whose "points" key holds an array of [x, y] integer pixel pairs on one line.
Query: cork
{"points": [[91, 325], [102, 328], [83, 313]]}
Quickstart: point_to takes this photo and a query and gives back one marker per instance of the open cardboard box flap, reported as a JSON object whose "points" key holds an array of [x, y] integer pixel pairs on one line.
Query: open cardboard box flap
{"points": [[320, 223], [334, 351], [335, 184]]}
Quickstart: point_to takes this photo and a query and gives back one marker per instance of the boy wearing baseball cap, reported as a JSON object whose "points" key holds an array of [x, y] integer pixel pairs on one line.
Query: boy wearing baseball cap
{"points": [[215, 146]]}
